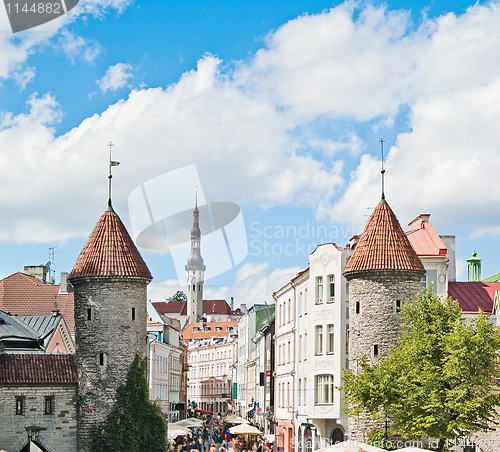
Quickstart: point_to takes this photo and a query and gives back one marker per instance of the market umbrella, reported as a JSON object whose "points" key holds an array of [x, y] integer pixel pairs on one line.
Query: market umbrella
{"points": [[351, 446], [175, 430], [233, 419], [412, 449], [188, 423], [245, 429]]}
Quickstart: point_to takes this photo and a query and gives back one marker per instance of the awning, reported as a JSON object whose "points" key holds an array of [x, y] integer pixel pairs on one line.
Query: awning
{"points": [[198, 410]]}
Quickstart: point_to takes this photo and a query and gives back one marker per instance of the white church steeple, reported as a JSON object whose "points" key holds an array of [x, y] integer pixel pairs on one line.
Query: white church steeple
{"points": [[195, 271]]}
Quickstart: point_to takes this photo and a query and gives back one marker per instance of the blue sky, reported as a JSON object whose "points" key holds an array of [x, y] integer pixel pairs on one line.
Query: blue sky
{"points": [[275, 107]]}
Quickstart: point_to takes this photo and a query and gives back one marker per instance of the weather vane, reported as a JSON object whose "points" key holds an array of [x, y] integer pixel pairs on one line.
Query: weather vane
{"points": [[110, 176], [382, 171]]}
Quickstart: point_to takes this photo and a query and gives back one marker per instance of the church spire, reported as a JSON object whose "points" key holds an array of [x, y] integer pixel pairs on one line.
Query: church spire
{"points": [[195, 270]]}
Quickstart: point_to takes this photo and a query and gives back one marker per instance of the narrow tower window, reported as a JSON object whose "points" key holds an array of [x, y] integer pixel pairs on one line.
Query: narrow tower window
{"points": [[398, 306], [90, 314], [19, 406], [358, 307], [49, 405], [133, 313], [375, 351], [102, 359]]}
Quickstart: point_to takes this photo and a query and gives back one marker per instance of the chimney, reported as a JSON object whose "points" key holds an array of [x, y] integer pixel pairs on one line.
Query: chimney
{"points": [[38, 271], [63, 288], [232, 304], [417, 222], [244, 308], [353, 241]]}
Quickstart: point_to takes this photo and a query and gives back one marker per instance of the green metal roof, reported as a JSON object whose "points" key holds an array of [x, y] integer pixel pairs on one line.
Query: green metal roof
{"points": [[494, 278]]}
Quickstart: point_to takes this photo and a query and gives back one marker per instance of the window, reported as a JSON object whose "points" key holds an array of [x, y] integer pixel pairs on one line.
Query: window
{"points": [[324, 389], [102, 359], [90, 314], [300, 348], [49, 405], [429, 280], [331, 342], [397, 306], [133, 313], [319, 289], [358, 307], [375, 351], [319, 339], [289, 352], [20, 405], [331, 288]]}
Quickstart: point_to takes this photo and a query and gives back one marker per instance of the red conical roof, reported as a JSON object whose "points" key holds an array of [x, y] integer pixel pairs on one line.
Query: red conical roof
{"points": [[383, 246], [110, 252]]}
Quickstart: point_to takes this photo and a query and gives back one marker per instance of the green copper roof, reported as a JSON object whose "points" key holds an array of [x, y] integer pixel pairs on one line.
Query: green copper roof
{"points": [[494, 278]]}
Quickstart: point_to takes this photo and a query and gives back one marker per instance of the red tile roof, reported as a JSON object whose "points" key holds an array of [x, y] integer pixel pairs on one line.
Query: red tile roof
{"points": [[209, 330], [37, 368], [170, 307], [474, 295], [426, 241], [22, 294], [209, 307], [110, 252], [383, 246]]}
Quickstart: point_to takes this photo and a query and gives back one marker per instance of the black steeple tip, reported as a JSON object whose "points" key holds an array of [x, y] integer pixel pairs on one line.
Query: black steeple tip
{"points": [[382, 171], [110, 175]]}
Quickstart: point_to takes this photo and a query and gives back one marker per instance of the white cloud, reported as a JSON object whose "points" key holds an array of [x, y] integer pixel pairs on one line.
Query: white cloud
{"points": [[252, 132], [116, 77], [75, 47], [24, 76], [255, 282], [16, 49]]}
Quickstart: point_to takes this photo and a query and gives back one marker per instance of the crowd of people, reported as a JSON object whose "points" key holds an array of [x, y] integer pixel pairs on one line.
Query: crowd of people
{"points": [[214, 436]]}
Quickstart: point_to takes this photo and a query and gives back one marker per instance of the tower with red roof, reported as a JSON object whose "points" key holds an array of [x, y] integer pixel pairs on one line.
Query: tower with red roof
{"points": [[110, 281], [383, 272]]}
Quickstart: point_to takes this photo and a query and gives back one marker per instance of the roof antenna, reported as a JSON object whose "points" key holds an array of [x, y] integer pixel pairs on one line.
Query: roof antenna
{"points": [[110, 176], [382, 171]]}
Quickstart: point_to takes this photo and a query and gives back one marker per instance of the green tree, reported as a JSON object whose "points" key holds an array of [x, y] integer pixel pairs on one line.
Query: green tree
{"points": [[178, 296], [439, 381], [136, 423]]}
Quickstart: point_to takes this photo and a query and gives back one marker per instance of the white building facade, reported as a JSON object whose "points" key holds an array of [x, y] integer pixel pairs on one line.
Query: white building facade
{"points": [[210, 361]]}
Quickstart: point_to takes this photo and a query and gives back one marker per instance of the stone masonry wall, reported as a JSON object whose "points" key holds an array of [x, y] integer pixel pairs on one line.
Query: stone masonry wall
{"points": [[58, 432], [377, 322], [114, 330]]}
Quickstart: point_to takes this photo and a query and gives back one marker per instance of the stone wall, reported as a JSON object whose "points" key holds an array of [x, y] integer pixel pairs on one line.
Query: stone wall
{"points": [[376, 296], [110, 319], [58, 430]]}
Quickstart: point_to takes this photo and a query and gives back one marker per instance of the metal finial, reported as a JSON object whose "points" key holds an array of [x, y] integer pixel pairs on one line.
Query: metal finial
{"points": [[110, 176], [382, 171]]}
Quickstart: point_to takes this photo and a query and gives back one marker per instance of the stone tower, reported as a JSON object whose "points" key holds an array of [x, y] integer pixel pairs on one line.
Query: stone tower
{"points": [[195, 272], [384, 272], [110, 280]]}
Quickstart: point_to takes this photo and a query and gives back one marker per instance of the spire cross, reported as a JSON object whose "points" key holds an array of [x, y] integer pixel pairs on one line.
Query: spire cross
{"points": [[382, 171], [110, 176]]}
